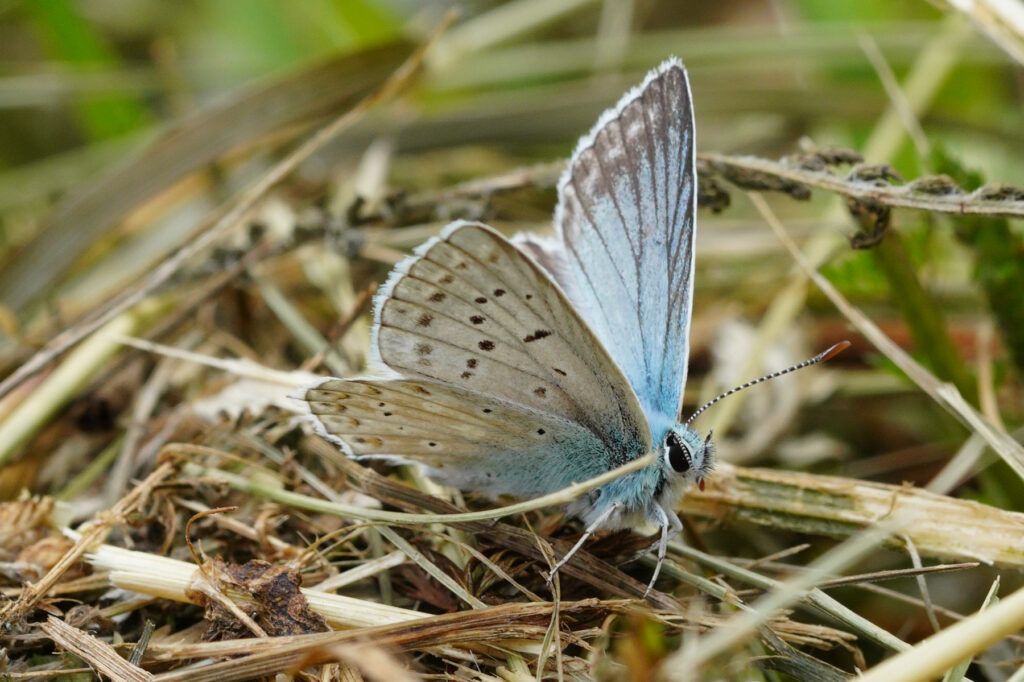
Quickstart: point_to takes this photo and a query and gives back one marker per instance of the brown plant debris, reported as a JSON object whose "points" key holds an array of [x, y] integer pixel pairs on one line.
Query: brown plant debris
{"points": [[268, 594], [25, 522]]}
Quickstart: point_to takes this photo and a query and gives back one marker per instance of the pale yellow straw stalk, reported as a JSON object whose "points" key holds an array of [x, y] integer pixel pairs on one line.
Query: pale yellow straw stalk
{"points": [[960, 641], [175, 580]]}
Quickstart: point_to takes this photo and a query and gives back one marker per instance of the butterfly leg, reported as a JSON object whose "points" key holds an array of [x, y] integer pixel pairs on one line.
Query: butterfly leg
{"points": [[591, 529], [676, 526], [670, 526]]}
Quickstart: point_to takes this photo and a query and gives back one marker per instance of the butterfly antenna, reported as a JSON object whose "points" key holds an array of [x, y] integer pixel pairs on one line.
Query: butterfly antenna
{"points": [[820, 357]]}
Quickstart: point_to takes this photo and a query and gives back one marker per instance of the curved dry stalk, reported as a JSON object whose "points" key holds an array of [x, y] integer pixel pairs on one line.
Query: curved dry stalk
{"points": [[918, 194], [989, 201], [299, 501]]}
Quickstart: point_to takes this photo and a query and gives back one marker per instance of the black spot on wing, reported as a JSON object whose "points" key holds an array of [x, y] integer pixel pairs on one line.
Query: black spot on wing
{"points": [[536, 336], [480, 299], [486, 344], [477, 319], [437, 296], [425, 319]]}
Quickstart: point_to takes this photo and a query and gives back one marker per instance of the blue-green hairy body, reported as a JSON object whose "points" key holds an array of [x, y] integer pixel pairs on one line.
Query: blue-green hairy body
{"points": [[520, 367]]}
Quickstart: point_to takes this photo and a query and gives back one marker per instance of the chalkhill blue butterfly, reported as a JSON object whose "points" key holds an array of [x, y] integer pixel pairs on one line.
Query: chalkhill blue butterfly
{"points": [[520, 367]]}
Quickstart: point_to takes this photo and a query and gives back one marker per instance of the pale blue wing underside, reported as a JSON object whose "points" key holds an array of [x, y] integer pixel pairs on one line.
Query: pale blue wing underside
{"points": [[626, 227], [489, 377], [462, 438], [469, 309]]}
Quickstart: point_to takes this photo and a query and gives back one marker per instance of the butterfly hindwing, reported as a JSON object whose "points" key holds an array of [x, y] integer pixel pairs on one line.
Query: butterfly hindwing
{"points": [[463, 438], [626, 222], [472, 311]]}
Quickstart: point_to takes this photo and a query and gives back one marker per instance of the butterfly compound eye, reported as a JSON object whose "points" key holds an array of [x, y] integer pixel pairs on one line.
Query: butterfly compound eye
{"points": [[678, 455]]}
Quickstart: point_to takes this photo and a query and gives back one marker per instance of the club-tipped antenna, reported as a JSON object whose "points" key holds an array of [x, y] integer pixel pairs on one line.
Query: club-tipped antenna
{"points": [[820, 357]]}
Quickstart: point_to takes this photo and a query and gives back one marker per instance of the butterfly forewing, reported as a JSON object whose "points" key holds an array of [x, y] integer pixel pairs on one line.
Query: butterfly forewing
{"points": [[521, 370], [626, 221], [465, 439], [474, 312]]}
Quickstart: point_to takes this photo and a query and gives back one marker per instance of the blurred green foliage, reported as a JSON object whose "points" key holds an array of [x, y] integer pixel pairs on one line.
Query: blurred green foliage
{"points": [[75, 43]]}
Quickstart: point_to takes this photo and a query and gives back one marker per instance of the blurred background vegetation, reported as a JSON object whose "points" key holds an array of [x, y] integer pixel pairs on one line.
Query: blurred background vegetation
{"points": [[88, 86], [128, 126]]}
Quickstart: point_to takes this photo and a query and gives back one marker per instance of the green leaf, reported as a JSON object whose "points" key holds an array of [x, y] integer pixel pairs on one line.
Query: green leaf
{"points": [[68, 37]]}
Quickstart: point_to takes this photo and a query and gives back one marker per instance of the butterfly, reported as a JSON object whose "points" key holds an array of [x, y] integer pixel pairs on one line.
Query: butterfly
{"points": [[522, 366]]}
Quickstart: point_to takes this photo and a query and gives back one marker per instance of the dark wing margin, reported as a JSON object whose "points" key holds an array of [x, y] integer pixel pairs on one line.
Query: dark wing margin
{"points": [[626, 222]]}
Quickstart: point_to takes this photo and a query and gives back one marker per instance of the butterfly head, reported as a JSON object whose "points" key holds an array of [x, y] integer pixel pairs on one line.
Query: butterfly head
{"points": [[687, 456]]}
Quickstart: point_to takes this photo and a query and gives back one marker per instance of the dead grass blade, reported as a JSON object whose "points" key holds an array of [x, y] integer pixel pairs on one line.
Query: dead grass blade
{"points": [[172, 579], [64, 384], [297, 500], [1002, 22], [944, 650], [97, 653], [372, 662], [464, 628]]}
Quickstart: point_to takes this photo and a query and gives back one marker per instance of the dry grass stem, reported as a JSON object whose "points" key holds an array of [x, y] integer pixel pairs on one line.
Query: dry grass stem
{"points": [[100, 655], [172, 579], [959, 641], [939, 526], [299, 501]]}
